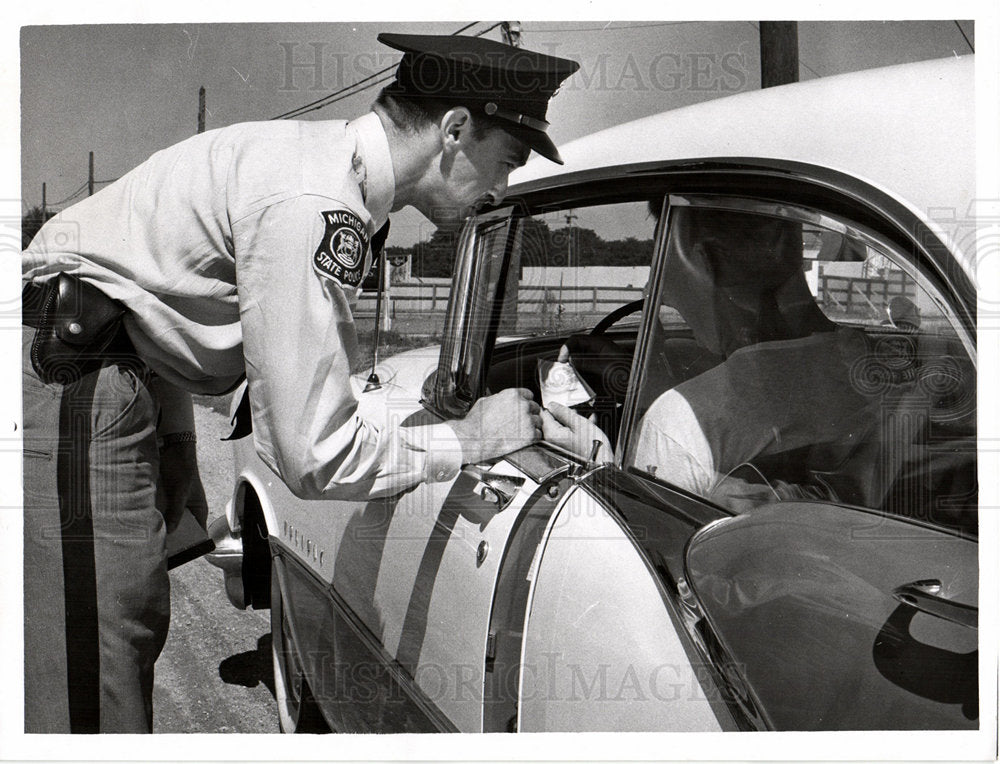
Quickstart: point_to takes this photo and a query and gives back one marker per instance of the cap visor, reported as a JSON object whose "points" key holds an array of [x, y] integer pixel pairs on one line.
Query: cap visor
{"points": [[536, 140]]}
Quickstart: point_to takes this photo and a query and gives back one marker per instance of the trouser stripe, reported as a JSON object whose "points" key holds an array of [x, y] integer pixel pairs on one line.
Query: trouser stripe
{"points": [[79, 564]]}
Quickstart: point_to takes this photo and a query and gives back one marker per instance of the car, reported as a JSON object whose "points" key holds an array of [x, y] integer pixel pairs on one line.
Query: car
{"points": [[794, 267]]}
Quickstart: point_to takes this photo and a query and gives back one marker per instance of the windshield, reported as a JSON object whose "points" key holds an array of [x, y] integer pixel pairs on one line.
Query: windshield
{"points": [[571, 267]]}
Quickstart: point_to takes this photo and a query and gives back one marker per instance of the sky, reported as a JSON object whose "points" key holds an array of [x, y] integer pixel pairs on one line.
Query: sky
{"points": [[125, 91]]}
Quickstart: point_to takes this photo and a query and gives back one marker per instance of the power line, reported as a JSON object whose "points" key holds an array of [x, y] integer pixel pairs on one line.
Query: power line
{"points": [[72, 196], [343, 92], [338, 95], [469, 26], [344, 95], [80, 190], [329, 98], [608, 28], [965, 37]]}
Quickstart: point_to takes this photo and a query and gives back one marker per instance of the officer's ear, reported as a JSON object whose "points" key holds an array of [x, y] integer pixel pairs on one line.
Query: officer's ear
{"points": [[456, 127]]}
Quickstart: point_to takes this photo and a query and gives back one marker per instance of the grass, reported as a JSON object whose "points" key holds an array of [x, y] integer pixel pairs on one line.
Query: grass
{"points": [[391, 342]]}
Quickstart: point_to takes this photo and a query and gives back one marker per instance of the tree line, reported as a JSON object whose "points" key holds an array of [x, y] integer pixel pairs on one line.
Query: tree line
{"points": [[567, 246]]}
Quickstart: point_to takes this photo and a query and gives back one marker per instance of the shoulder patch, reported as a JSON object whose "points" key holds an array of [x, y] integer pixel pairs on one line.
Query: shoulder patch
{"points": [[342, 254]]}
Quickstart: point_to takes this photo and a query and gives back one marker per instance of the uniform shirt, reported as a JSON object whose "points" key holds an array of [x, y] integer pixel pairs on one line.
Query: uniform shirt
{"points": [[240, 249], [764, 399]]}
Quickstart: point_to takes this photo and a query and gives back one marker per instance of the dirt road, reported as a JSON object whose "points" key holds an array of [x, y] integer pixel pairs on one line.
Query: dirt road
{"points": [[214, 674]]}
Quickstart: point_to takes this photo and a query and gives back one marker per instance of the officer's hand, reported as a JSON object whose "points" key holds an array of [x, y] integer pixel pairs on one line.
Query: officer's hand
{"points": [[565, 428], [603, 364], [498, 424], [179, 486]]}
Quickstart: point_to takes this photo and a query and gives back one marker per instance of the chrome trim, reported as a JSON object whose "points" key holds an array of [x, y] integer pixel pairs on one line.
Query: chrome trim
{"points": [[925, 596], [454, 387], [641, 353], [509, 610], [684, 611], [228, 557]]}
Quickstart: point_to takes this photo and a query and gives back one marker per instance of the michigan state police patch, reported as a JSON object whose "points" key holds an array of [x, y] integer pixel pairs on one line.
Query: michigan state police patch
{"points": [[342, 254]]}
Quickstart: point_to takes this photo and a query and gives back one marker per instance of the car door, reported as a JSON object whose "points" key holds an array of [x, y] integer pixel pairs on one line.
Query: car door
{"points": [[581, 635], [398, 591]]}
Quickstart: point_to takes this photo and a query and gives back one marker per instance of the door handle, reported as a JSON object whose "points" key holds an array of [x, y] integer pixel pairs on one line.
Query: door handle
{"points": [[497, 488], [924, 595]]}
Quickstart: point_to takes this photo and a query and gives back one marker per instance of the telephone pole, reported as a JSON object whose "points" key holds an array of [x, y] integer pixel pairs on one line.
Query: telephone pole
{"points": [[570, 217], [201, 109], [90, 176], [779, 53], [43, 202]]}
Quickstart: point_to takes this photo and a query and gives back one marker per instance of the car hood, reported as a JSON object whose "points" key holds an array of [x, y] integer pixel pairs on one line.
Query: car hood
{"points": [[403, 372], [400, 379]]}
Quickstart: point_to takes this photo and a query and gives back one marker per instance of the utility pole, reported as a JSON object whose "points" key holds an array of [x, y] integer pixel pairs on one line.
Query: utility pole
{"points": [[570, 217], [90, 176], [201, 109], [779, 53], [43, 202], [510, 31]]}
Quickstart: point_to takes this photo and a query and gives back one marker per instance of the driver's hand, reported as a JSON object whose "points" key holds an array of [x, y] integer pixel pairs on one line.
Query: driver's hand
{"points": [[603, 364], [564, 427]]}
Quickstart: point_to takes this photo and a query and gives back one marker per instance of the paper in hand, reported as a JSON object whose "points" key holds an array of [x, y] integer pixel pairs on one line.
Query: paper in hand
{"points": [[560, 383]]}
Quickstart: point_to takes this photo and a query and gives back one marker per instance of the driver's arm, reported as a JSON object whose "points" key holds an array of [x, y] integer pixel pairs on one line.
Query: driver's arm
{"points": [[673, 446]]}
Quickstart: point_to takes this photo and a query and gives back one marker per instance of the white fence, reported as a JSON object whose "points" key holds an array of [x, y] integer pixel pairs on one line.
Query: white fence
{"points": [[409, 300]]}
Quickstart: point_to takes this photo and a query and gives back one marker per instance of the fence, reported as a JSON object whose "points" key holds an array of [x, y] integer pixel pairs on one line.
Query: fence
{"points": [[427, 299], [848, 295], [420, 308], [857, 297]]}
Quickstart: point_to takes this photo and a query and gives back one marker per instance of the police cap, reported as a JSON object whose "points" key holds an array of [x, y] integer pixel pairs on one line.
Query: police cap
{"points": [[510, 85]]}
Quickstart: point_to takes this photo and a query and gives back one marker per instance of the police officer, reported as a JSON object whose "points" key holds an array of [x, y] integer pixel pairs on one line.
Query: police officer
{"points": [[238, 251]]}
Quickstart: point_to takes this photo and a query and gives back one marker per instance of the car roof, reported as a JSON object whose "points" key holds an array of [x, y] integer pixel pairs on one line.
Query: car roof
{"points": [[908, 130]]}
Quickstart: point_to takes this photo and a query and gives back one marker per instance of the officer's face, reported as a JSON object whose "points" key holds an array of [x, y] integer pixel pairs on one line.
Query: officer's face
{"points": [[474, 171]]}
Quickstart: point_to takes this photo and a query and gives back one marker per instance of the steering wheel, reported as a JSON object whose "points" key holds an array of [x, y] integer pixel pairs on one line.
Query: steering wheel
{"points": [[610, 385], [616, 315]]}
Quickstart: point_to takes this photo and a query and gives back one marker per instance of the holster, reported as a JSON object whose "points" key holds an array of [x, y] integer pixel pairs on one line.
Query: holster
{"points": [[76, 325]]}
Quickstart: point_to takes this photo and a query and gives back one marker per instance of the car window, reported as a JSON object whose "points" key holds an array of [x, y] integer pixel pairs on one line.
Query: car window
{"points": [[571, 267], [794, 356]]}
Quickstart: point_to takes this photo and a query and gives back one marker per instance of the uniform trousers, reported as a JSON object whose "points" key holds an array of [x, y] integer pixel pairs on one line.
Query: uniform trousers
{"points": [[96, 591]]}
